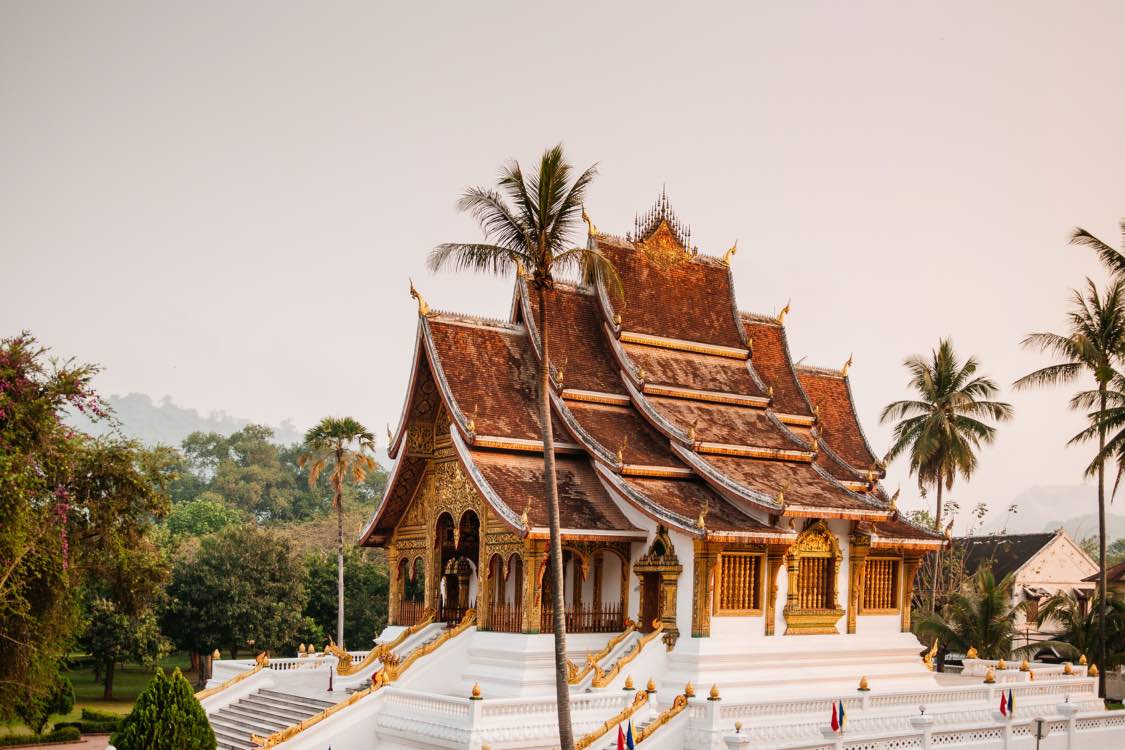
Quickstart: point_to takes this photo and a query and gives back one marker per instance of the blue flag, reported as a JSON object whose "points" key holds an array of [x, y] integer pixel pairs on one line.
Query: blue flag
{"points": [[629, 736]]}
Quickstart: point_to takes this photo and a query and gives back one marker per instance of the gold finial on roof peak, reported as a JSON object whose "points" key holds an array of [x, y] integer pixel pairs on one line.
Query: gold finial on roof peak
{"points": [[423, 308], [524, 516], [894, 504], [784, 311], [815, 444], [701, 522], [621, 451], [593, 230], [769, 392], [847, 366], [730, 252], [691, 430], [390, 435], [473, 418]]}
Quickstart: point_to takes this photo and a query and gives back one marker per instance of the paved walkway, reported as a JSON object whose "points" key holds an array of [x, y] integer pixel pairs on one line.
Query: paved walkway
{"points": [[96, 742]]}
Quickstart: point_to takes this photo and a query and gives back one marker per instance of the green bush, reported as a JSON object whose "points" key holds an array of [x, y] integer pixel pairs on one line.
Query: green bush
{"points": [[66, 734], [167, 716], [91, 727], [92, 714], [35, 710]]}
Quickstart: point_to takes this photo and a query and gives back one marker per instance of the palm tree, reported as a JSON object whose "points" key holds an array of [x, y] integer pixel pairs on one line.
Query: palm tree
{"points": [[981, 617], [1093, 345], [345, 445], [527, 223], [1079, 628], [944, 427], [1113, 260]]}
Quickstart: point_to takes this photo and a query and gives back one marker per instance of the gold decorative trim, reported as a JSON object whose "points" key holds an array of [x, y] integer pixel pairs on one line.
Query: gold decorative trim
{"points": [[639, 470], [344, 665], [773, 454], [714, 397], [574, 675], [603, 678], [386, 675], [520, 444], [678, 705], [849, 514], [795, 419], [625, 714], [595, 397], [263, 662], [696, 347]]}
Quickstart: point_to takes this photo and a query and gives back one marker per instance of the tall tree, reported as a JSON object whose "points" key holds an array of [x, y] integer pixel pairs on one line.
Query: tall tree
{"points": [[345, 446], [1091, 346], [527, 224], [946, 424], [1113, 260]]}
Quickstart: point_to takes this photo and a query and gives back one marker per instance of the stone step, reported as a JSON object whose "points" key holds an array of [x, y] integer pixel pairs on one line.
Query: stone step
{"points": [[238, 725], [280, 713], [315, 704], [225, 739], [238, 713]]}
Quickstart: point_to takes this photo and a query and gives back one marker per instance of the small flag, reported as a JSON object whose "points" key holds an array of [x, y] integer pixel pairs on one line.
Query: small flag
{"points": [[620, 738], [843, 717], [1011, 703], [835, 719], [1003, 704], [629, 736]]}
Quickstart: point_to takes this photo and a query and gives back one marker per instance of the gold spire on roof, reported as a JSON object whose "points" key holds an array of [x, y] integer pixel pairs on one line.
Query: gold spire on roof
{"points": [[847, 366], [784, 311], [473, 418], [691, 430], [561, 369], [390, 435], [894, 504], [701, 522], [523, 516], [621, 451], [423, 308], [815, 444], [770, 392], [593, 230], [730, 252]]}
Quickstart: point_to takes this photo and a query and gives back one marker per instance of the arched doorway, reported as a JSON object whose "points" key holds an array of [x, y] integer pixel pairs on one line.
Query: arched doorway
{"points": [[458, 545]]}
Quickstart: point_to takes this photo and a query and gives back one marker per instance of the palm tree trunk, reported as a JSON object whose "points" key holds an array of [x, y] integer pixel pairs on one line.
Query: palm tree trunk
{"points": [[339, 561], [562, 688], [937, 555], [1101, 547]]}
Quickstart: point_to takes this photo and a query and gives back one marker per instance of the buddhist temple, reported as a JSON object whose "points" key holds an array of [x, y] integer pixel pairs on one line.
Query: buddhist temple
{"points": [[724, 530]]}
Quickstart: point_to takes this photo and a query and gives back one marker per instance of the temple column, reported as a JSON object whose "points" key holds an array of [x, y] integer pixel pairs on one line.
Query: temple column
{"points": [[774, 558], [703, 588], [792, 566], [910, 565], [432, 589], [857, 567], [394, 584], [668, 579], [535, 553], [598, 565]]}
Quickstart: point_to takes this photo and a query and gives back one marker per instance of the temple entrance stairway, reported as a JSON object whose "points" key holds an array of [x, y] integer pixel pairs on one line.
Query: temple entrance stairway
{"points": [[263, 712]]}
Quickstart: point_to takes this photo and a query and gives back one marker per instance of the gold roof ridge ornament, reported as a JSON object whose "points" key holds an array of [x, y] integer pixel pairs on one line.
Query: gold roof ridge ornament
{"points": [[691, 431], [847, 366], [390, 435], [561, 369], [423, 308], [524, 516], [730, 253], [894, 504], [784, 311], [473, 418], [701, 522], [621, 451], [593, 230]]}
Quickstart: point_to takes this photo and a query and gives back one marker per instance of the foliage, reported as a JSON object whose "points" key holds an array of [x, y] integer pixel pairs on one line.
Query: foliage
{"points": [[243, 588], [167, 716], [981, 617], [86, 726], [35, 711], [92, 714], [1079, 627], [365, 590], [527, 223], [112, 636], [204, 514], [66, 734]]}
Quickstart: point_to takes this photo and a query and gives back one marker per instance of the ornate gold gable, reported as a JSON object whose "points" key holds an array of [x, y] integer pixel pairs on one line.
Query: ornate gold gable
{"points": [[813, 562]]}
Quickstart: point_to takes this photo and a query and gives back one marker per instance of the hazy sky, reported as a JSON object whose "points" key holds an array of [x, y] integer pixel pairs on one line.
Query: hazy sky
{"points": [[223, 201]]}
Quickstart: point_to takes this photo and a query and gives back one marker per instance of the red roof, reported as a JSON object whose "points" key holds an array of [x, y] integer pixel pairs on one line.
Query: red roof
{"points": [[699, 372], [720, 423], [801, 483], [770, 357], [838, 420], [576, 339], [615, 426]]}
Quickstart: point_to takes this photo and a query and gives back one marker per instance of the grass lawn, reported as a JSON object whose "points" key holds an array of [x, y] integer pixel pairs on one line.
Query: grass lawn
{"points": [[128, 682]]}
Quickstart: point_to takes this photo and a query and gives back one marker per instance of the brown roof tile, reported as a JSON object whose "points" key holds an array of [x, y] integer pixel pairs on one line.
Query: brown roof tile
{"points": [[577, 337], [685, 298], [720, 423], [838, 421], [583, 501], [611, 425], [699, 372], [687, 498], [897, 528], [801, 483], [770, 357]]}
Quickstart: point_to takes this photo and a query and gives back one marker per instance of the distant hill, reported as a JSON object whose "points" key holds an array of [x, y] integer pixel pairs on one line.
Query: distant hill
{"points": [[1046, 508], [168, 424]]}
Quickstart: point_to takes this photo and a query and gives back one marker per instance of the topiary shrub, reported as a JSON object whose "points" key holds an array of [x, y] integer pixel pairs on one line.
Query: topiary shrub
{"points": [[91, 727], [66, 734], [35, 711], [167, 716], [92, 714]]}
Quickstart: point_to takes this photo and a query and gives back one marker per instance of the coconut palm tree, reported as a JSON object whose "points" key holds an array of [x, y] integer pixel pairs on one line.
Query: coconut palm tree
{"points": [[345, 445], [1092, 346], [527, 223], [1079, 628], [1113, 260], [946, 424], [980, 617]]}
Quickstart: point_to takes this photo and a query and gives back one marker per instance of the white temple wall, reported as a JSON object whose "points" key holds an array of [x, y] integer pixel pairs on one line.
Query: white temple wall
{"points": [[611, 578], [878, 624], [685, 550], [842, 531]]}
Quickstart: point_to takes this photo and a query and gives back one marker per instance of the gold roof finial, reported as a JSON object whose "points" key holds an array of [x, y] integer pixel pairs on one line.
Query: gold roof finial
{"points": [[617, 319], [701, 522], [423, 308], [473, 418], [815, 444], [621, 451], [523, 516], [390, 435], [784, 311], [816, 411], [691, 430], [714, 694], [641, 374], [560, 370], [847, 366], [894, 504], [863, 687], [730, 252], [769, 392], [781, 499], [589, 224]]}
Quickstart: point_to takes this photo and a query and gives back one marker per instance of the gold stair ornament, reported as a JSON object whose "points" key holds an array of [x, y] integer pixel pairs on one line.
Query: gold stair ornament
{"points": [[863, 688], [714, 694], [989, 677]]}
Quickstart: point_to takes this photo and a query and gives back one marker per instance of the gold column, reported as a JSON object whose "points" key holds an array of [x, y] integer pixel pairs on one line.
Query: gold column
{"points": [[773, 564], [433, 571], [857, 567], [703, 589], [598, 562], [394, 585], [910, 566], [535, 553], [792, 566], [668, 580]]}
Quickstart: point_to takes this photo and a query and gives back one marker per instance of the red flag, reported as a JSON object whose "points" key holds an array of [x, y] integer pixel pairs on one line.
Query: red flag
{"points": [[835, 720], [1003, 704], [620, 738]]}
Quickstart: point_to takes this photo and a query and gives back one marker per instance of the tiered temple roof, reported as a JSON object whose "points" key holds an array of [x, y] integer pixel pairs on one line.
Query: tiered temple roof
{"points": [[669, 399]]}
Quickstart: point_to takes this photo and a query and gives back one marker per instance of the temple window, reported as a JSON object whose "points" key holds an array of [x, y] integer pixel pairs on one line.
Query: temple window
{"points": [[816, 579], [881, 585], [740, 583]]}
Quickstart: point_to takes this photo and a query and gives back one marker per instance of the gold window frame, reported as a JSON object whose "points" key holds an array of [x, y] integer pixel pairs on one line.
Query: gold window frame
{"points": [[759, 588], [899, 566]]}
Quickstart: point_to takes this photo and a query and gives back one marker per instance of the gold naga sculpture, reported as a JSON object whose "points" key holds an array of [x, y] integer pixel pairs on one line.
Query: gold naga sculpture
{"points": [[423, 308], [928, 659], [593, 230], [344, 665], [730, 253]]}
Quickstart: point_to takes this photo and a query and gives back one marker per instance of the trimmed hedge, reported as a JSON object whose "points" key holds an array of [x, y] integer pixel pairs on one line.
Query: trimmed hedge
{"points": [[66, 734], [92, 714], [91, 727]]}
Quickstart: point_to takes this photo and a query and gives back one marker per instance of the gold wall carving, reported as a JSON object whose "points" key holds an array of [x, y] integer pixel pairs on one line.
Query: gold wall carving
{"points": [[816, 544]]}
